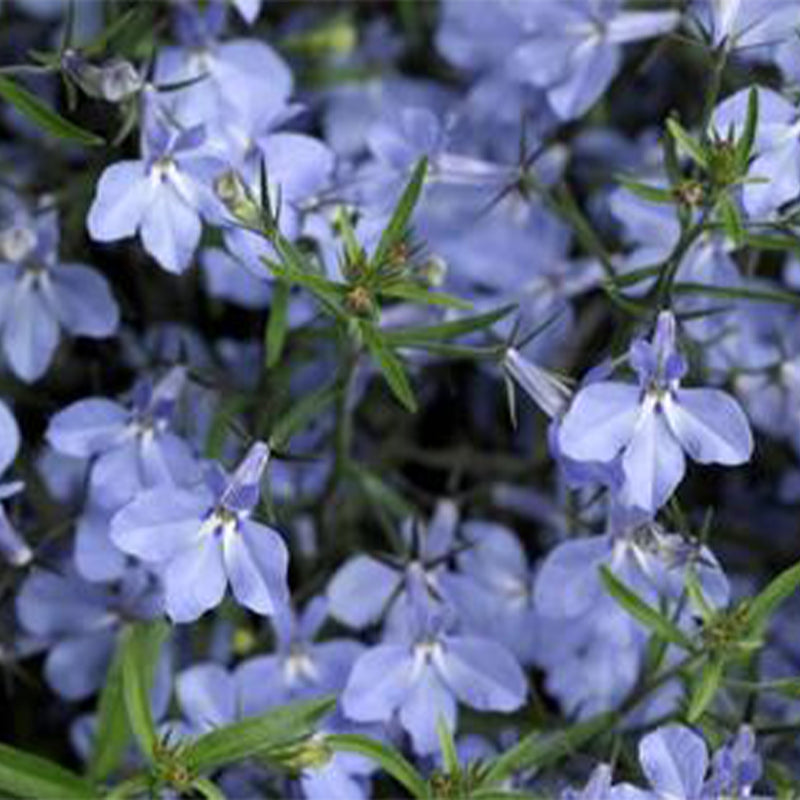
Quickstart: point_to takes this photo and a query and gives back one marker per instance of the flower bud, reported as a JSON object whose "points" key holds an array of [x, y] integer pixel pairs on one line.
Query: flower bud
{"points": [[113, 81], [238, 199]]}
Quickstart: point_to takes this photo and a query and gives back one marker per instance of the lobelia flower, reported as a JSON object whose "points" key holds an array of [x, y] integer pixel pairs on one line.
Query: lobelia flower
{"points": [[653, 425], [78, 623], [364, 588], [202, 538], [674, 760], [134, 447], [573, 49], [39, 296], [240, 78], [421, 671], [493, 588], [162, 196], [591, 649], [735, 768], [747, 24], [301, 667]]}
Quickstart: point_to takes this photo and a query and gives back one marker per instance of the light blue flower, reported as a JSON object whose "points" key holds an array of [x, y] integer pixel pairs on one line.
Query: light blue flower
{"points": [[653, 424], [162, 196], [39, 296], [202, 539]]}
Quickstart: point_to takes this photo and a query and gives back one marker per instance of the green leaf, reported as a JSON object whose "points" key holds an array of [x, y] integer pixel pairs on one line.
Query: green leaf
{"points": [[422, 294], [257, 735], [447, 746], [29, 776], [48, 120], [390, 365], [538, 750], [779, 589], [330, 294], [687, 143], [141, 644], [300, 415], [706, 688], [277, 326], [207, 789], [731, 219], [409, 337], [696, 596], [388, 758], [762, 241], [744, 147], [396, 230], [380, 493], [652, 194], [757, 295], [112, 733], [352, 249], [638, 609]]}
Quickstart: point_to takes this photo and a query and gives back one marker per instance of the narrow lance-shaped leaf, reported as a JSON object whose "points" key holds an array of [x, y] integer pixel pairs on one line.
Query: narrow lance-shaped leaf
{"points": [[29, 776], [394, 232], [652, 194], [407, 337], [706, 688], [447, 746], [389, 364], [257, 735], [301, 414], [687, 143], [780, 589], [48, 120], [140, 649], [638, 609], [113, 732], [744, 147], [421, 294], [388, 758], [278, 324], [538, 749], [731, 219]]}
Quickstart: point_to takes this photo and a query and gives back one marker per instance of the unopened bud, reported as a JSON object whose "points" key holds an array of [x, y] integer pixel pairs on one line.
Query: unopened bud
{"points": [[359, 301], [543, 387], [113, 81], [433, 272], [237, 198]]}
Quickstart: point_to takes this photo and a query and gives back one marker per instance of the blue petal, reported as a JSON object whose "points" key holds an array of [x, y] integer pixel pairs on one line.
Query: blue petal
{"points": [[82, 301], [160, 523], [207, 696], [483, 674], [675, 760], [600, 421], [257, 561], [379, 684], [360, 589], [87, 427], [710, 425], [195, 581], [30, 334], [121, 200], [653, 463]]}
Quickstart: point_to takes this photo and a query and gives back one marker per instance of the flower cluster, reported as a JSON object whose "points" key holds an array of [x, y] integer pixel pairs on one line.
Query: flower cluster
{"points": [[277, 284]]}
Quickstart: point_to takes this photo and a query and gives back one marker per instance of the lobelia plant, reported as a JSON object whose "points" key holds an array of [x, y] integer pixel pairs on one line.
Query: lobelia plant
{"points": [[267, 529]]}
